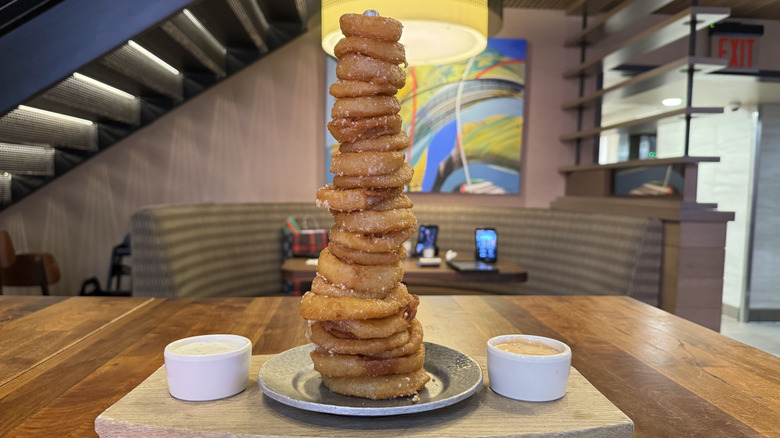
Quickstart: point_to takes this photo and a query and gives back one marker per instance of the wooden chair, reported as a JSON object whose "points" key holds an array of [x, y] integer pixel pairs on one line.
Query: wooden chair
{"points": [[26, 269]]}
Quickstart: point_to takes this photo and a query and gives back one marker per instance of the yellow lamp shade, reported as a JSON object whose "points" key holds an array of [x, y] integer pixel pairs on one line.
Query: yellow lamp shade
{"points": [[435, 31]]}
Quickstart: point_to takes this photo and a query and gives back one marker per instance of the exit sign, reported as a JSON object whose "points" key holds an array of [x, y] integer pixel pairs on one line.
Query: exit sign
{"points": [[740, 51], [738, 44]]}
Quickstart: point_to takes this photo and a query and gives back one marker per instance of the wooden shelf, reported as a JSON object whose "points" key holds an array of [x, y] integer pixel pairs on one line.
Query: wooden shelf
{"points": [[667, 31], [640, 125], [639, 163], [618, 18], [671, 73], [590, 6], [668, 209]]}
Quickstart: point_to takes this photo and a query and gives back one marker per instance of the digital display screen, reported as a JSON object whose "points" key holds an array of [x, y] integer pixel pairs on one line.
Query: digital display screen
{"points": [[487, 245], [426, 238]]}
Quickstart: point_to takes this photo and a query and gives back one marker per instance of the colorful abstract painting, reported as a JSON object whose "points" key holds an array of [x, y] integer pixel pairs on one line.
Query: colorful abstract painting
{"points": [[465, 121]]}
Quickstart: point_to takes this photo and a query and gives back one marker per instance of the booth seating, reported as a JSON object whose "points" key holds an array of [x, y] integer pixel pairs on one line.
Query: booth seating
{"points": [[207, 250]]}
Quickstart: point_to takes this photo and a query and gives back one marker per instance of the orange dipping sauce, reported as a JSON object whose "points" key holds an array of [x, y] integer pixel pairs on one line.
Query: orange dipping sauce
{"points": [[525, 346]]}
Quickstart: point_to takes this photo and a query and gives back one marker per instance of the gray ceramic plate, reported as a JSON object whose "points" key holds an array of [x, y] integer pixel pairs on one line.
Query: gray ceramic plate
{"points": [[289, 378]]}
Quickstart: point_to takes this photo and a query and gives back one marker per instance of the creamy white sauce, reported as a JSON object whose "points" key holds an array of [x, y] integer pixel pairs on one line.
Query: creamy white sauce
{"points": [[201, 348]]}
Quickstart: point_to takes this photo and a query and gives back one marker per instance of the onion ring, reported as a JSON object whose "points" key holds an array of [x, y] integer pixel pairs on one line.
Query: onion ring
{"points": [[374, 27], [367, 258], [399, 178], [378, 387], [354, 129], [341, 89], [369, 106], [354, 67], [392, 203], [375, 222], [328, 343], [358, 277], [340, 365], [385, 143], [366, 163], [320, 286], [375, 328], [387, 51], [334, 198], [415, 341], [318, 307], [370, 242]]}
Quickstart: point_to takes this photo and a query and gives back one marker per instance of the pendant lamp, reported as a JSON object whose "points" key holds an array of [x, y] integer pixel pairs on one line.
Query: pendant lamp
{"points": [[435, 31]]}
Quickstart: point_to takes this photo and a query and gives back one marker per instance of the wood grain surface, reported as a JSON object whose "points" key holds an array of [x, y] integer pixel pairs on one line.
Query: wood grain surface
{"points": [[149, 410], [670, 376]]}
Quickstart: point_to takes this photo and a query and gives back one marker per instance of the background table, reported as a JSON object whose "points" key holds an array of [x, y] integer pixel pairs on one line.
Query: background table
{"points": [[296, 269], [63, 361]]}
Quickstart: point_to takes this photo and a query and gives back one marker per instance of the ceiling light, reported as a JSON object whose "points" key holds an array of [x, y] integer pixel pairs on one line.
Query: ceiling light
{"points": [[56, 115], [152, 56], [671, 101], [203, 29], [106, 87], [435, 31]]}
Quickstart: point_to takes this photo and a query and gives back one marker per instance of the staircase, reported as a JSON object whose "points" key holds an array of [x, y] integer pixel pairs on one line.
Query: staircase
{"points": [[79, 75]]}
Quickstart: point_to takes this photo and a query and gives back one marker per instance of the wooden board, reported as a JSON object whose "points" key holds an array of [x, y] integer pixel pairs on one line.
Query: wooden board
{"points": [[149, 410]]}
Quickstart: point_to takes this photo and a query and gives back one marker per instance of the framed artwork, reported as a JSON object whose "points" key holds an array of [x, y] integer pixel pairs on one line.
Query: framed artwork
{"points": [[464, 120]]}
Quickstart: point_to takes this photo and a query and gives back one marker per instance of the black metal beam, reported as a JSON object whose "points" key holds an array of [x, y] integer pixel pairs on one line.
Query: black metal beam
{"points": [[68, 36]]}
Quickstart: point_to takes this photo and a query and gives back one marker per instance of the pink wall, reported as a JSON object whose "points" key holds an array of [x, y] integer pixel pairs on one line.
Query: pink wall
{"points": [[258, 136]]}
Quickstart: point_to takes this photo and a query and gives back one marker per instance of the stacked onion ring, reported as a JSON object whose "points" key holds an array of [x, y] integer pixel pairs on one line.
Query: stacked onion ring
{"points": [[362, 319]]}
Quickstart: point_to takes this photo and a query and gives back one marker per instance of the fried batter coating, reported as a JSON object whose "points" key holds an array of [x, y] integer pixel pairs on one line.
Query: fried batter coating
{"points": [[385, 143], [392, 203], [369, 106], [376, 242], [359, 257], [378, 387], [375, 328], [399, 178], [329, 343], [341, 89], [358, 277], [321, 286], [355, 129], [375, 222], [366, 163], [374, 27], [415, 341], [387, 51], [354, 67], [319, 307], [333, 198], [341, 365]]}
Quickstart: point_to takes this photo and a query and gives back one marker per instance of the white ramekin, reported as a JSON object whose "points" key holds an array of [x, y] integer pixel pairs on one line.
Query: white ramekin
{"points": [[209, 374], [528, 377]]}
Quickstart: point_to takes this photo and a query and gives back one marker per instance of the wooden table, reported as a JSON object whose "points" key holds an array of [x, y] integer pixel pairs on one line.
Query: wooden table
{"points": [[296, 269], [63, 361]]}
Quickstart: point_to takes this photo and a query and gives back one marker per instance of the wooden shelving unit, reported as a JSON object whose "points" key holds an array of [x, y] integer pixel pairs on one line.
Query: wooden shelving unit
{"points": [[590, 7], [638, 163], [619, 17], [640, 125], [666, 32], [670, 73], [694, 232], [667, 209]]}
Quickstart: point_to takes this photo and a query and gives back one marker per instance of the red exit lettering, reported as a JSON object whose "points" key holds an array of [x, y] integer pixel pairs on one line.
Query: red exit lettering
{"points": [[738, 50]]}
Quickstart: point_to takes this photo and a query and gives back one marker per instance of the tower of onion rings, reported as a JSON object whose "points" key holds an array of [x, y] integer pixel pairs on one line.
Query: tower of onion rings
{"points": [[368, 342]]}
